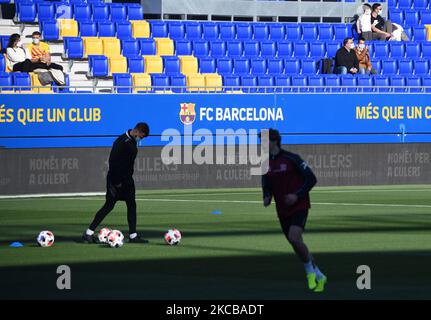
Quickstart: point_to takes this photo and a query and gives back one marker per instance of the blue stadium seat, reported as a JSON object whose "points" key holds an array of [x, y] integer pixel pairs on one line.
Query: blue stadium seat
{"points": [[316, 81], [148, 46], [381, 82], [392, 3], [74, 48], [201, 48], [284, 49], [326, 32], [134, 11], [136, 64], [411, 17], [248, 83], [98, 66], [425, 17], [193, 30], [426, 82], [207, 65], [426, 49], [45, 11], [309, 32], [404, 4], [277, 31], [420, 4], [397, 49], [160, 81], [244, 31], [26, 12], [171, 65], [332, 48], [87, 29], [341, 31], [130, 47], [159, 29], [218, 48], [266, 83], [299, 81], [235, 48], [183, 48], [365, 83], [334, 82], [349, 81], [293, 32], [241, 66], [268, 49], [177, 30], [275, 66], [231, 81], [258, 66], [82, 11], [100, 12], [260, 31], [63, 10], [419, 33], [317, 49], [283, 82], [408, 31], [308, 66], [2, 63], [414, 81], [291, 66], [210, 30], [421, 66], [118, 12], [106, 29], [178, 83], [224, 66], [377, 65], [389, 66], [413, 50], [405, 66], [300, 49], [251, 48], [22, 81], [123, 80], [50, 30], [227, 31], [381, 49], [124, 29], [396, 16], [4, 41], [398, 81], [6, 80]]}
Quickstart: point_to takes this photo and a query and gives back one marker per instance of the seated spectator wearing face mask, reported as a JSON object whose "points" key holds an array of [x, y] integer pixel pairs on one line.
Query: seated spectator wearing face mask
{"points": [[345, 59], [363, 25], [363, 56], [382, 30], [40, 52]]}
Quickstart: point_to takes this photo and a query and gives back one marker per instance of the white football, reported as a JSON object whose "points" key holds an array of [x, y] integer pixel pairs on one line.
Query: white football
{"points": [[173, 237], [115, 239], [103, 235], [45, 238]]}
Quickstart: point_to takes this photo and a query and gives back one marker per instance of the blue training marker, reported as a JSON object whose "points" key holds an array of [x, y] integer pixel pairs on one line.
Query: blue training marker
{"points": [[16, 245], [216, 212]]}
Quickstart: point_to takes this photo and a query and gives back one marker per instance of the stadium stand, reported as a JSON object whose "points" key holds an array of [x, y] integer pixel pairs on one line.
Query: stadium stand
{"points": [[97, 42]]}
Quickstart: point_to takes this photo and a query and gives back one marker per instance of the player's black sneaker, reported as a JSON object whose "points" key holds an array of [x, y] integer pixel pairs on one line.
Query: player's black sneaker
{"points": [[138, 239], [86, 238]]}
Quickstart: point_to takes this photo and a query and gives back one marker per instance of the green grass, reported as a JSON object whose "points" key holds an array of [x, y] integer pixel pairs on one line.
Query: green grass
{"points": [[238, 254]]}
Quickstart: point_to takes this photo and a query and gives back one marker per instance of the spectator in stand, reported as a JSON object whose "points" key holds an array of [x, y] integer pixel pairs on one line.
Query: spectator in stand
{"points": [[345, 59], [382, 30], [363, 24], [40, 52], [363, 56]]}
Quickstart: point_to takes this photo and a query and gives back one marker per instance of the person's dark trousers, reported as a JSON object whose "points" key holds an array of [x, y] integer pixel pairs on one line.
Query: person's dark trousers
{"points": [[29, 66], [387, 28], [113, 194]]}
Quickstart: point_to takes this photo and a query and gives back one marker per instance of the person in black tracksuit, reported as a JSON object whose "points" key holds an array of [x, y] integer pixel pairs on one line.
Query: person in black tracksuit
{"points": [[119, 181]]}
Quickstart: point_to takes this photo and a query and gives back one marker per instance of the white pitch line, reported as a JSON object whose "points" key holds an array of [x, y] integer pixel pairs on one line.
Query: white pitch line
{"points": [[255, 201]]}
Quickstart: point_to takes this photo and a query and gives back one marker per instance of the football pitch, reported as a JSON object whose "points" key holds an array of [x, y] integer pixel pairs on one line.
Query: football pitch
{"points": [[239, 253]]}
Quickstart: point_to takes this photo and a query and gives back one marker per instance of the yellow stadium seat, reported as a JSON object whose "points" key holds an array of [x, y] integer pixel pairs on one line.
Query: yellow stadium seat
{"points": [[164, 46], [213, 82], [68, 28], [196, 82], [117, 64], [111, 47], [188, 65], [36, 83], [141, 80], [153, 64], [92, 46], [140, 29], [428, 29]]}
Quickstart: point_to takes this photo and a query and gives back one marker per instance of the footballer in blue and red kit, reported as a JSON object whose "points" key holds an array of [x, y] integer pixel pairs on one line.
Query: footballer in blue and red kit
{"points": [[289, 181]]}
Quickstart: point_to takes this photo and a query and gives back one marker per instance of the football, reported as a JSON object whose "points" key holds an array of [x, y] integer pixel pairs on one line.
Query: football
{"points": [[45, 238], [173, 237], [115, 239], [103, 235]]}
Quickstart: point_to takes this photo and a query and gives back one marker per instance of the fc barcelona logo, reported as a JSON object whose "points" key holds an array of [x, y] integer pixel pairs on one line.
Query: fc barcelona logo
{"points": [[187, 113]]}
